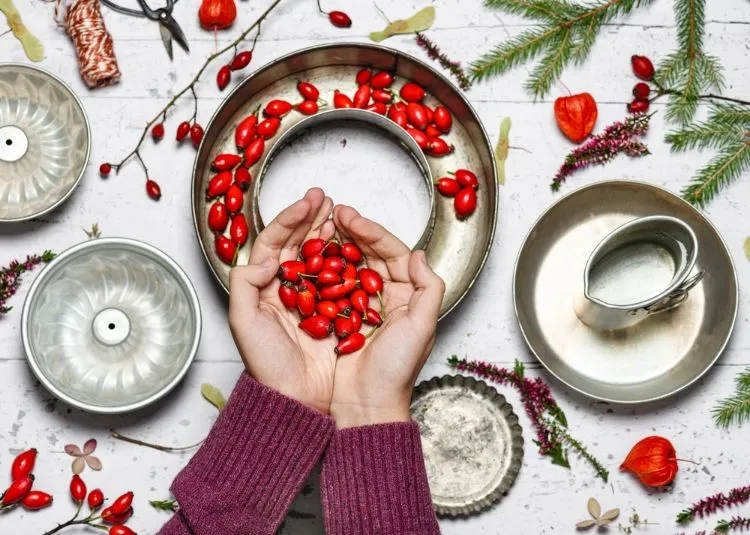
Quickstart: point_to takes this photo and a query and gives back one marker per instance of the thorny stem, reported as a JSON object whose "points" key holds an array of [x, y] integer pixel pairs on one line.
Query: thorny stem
{"points": [[195, 105], [191, 86], [382, 12], [71, 522], [320, 8], [159, 447]]}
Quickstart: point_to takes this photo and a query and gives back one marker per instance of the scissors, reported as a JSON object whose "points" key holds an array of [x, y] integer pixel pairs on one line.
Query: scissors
{"points": [[167, 25]]}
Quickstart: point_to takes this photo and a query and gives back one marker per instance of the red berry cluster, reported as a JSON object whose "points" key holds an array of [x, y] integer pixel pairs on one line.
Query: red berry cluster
{"points": [[643, 69], [116, 514], [424, 124], [463, 188], [22, 480], [239, 62], [330, 293], [228, 186]]}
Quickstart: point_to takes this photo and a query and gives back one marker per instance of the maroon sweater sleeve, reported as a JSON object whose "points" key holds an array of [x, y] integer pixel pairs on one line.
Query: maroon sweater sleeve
{"points": [[374, 482], [252, 465]]}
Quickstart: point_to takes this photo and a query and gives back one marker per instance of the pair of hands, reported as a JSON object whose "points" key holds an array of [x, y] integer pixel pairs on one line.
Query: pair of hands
{"points": [[370, 386]]}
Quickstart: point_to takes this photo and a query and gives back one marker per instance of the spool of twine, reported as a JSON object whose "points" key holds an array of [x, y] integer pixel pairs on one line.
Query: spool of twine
{"points": [[83, 22]]}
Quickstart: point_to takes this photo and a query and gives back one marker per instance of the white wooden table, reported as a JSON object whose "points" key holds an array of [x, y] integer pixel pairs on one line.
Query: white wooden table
{"points": [[545, 498]]}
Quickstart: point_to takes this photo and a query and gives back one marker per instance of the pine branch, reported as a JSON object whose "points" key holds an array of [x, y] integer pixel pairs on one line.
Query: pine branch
{"points": [[719, 172], [704, 136], [733, 410], [566, 34], [743, 380], [688, 71]]}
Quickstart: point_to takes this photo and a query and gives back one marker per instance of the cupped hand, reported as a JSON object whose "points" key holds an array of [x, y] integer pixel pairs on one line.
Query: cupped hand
{"points": [[374, 385], [275, 351]]}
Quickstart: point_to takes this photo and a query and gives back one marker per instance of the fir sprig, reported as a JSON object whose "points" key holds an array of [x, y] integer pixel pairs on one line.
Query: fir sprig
{"points": [[737, 523], [711, 504], [733, 410], [688, 71], [170, 506], [565, 34], [727, 130], [547, 417]]}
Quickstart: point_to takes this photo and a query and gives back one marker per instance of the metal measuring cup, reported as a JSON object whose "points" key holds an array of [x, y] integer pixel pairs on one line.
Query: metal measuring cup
{"points": [[639, 269]]}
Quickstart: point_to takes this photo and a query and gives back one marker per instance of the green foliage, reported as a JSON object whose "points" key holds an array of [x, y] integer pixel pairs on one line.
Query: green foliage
{"points": [[725, 130], [164, 505], [688, 72], [565, 34], [735, 409]]}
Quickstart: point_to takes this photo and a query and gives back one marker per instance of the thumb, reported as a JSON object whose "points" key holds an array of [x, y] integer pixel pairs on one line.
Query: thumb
{"points": [[245, 283], [428, 289]]}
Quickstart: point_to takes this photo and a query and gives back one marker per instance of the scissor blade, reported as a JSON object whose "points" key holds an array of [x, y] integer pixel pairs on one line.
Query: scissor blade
{"points": [[166, 38], [176, 32]]}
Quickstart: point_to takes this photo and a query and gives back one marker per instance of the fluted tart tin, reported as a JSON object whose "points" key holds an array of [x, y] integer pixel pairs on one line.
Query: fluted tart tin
{"points": [[456, 250], [45, 142], [111, 325], [472, 443], [652, 359]]}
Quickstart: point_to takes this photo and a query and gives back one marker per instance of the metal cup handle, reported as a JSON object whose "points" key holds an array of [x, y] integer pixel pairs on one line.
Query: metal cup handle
{"points": [[677, 297]]}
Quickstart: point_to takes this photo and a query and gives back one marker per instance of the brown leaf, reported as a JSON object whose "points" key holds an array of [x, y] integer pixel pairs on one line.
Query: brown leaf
{"points": [[90, 446], [610, 515], [584, 524], [594, 508], [72, 449], [213, 395], [93, 462], [78, 465]]}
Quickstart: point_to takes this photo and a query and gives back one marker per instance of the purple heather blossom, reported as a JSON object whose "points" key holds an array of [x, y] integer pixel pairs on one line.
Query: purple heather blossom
{"points": [[711, 504], [10, 277], [434, 53], [601, 148]]}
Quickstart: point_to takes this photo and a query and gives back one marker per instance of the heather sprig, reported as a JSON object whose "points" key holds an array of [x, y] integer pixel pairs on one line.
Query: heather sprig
{"points": [[10, 276], [601, 148], [737, 523], [434, 53], [546, 416], [711, 504]]}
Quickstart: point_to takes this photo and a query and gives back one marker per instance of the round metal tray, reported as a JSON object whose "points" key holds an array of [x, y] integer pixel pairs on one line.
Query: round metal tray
{"points": [[456, 250], [111, 325], [651, 360], [44, 142], [472, 442]]}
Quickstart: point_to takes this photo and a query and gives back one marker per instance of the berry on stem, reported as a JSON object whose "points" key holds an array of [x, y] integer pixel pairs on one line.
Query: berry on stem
{"points": [[340, 19], [77, 489], [241, 60], [105, 169], [308, 90], [641, 90], [36, 499], [223, 77], [23, 464], [196, 135], [96, 498], [307, 107], [448, 187], [18, 490], [122, 504], [642, 67], [153, 189], [350, 344], [157, 132], [638, 105], [183, 129], [466, 179]]}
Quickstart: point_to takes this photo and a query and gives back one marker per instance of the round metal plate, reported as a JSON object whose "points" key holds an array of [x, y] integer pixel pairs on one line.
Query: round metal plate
{"points": [[44, 142], [654, 359], [456, 249], [472, 442], [111, 325]]}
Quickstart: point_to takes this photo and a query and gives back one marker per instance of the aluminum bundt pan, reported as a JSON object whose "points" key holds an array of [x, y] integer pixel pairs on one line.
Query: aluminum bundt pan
{"points": [[111, 325]]}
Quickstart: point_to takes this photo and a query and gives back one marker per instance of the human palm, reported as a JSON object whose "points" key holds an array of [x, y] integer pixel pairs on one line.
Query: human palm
{"points": [[275, 351]]}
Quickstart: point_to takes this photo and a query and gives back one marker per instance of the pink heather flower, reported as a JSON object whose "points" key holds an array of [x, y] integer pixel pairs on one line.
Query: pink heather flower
{"points": [[711, 504], [601, 148]]}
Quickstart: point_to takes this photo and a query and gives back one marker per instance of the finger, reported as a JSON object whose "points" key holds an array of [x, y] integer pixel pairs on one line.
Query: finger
{"points": [[317, 200], [375, 241], [245, 283], [428, 289], [270, 241], [315, 229]]}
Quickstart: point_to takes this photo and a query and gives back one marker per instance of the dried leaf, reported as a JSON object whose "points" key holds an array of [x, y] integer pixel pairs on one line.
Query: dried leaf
{"points": [[422, 20], [595, 510], [584, 524], [746, 247], [78, 465], [213, 395], [93, 462], [610, 515], [89, 446], [501, 149], [31, 45], [72, 449]]}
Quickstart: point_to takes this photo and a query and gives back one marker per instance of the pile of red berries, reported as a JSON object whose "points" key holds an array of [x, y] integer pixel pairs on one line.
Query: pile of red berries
{"points": [[19, 492], [331, 294], [463, 188], [232, 179], [424, 124], [643, 69]]}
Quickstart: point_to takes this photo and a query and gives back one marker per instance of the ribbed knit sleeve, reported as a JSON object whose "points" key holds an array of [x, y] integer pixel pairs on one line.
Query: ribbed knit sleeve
{"points": [[253, 463], [374, 482]]}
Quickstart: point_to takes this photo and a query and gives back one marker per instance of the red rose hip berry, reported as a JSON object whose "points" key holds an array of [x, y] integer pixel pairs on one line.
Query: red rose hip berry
{"points": [[642, 67], [350, 344]]}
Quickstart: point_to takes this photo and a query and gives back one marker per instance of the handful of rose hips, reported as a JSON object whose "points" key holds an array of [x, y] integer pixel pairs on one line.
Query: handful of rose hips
{"points": [[331, 294], [463, 188]]}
